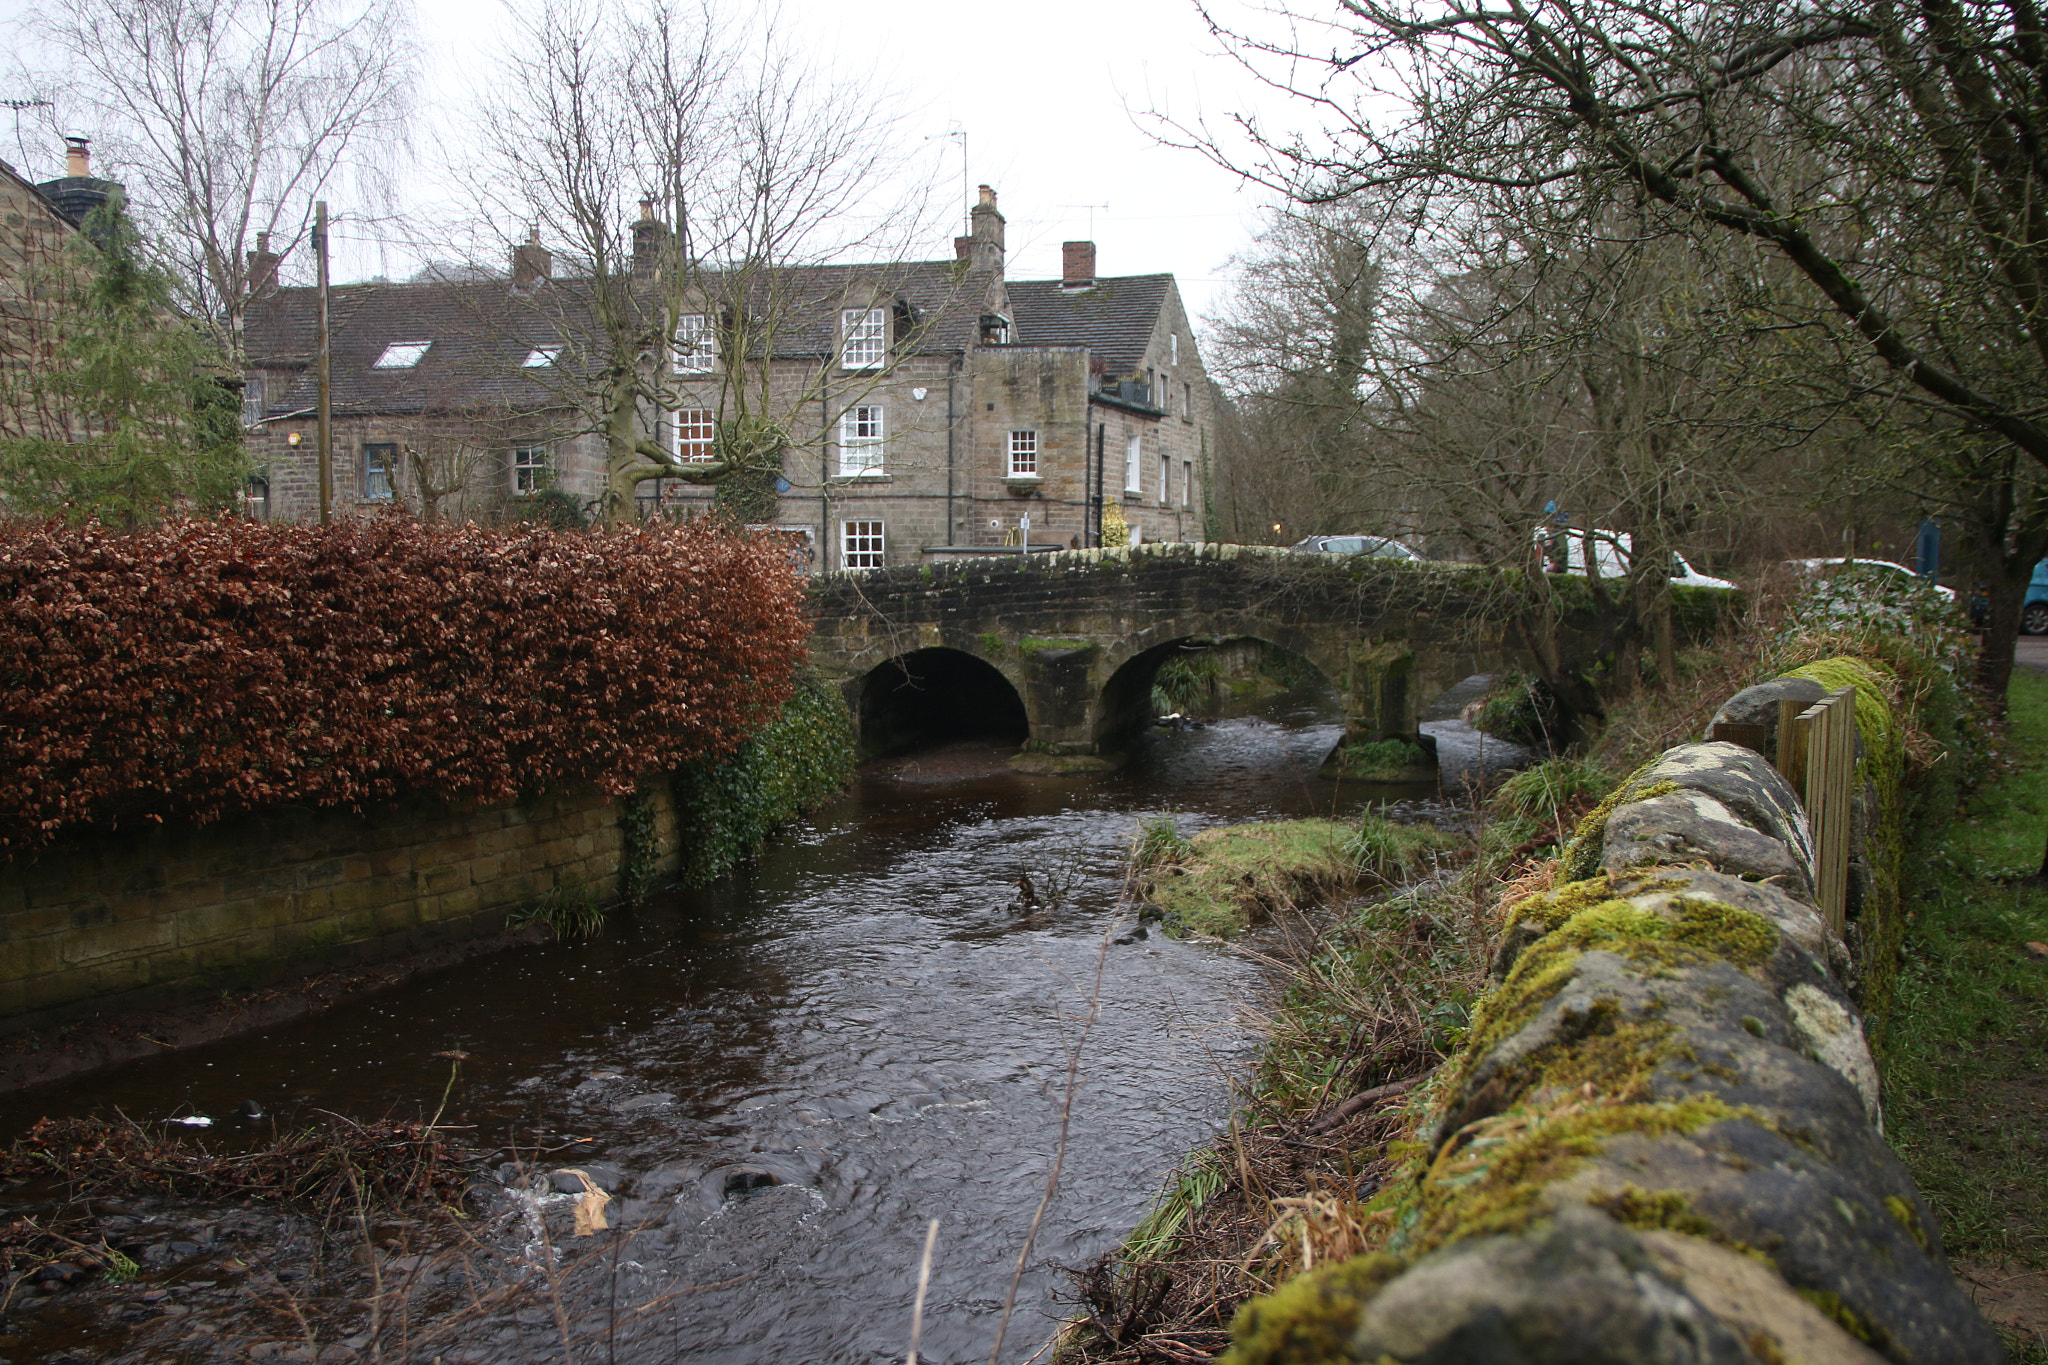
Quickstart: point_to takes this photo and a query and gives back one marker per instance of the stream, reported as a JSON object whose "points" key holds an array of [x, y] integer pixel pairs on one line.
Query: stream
{"points": [[781, 1079]]}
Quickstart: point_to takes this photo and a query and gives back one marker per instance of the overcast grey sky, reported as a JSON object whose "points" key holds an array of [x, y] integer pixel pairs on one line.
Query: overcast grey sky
{"points": [[1045, 93]]}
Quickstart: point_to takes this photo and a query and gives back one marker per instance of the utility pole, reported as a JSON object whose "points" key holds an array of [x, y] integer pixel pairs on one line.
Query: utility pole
{"points": [[326, 419]]}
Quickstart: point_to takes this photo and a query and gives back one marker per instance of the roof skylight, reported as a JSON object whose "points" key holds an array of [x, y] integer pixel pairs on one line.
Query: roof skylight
{"points": [[540, 356], [401, 355]]}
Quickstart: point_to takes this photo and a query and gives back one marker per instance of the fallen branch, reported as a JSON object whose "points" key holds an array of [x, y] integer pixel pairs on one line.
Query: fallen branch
{"points": [[1363, 1100]]}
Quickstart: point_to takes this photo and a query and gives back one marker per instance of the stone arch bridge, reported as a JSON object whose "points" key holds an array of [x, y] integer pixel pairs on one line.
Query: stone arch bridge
{"points": [[1063, 647]]}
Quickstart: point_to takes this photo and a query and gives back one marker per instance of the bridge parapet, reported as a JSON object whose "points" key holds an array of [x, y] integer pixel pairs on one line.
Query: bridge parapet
{"points": [[1079, 634]]}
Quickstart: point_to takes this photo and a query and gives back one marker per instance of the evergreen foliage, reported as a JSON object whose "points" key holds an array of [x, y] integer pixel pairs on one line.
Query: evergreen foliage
{"points": [[793, 764], [126, 408]]}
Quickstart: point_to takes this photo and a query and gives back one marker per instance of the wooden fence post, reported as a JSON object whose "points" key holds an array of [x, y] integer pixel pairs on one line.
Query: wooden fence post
{"points": [[1817, 755]]}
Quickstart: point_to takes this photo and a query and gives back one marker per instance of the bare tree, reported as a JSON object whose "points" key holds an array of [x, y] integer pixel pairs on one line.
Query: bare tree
{"points": [[228, 118], [694, 180], [1885, 155]]}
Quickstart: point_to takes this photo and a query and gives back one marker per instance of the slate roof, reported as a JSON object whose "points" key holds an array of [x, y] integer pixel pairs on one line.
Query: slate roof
{"points": [[1115, 319], [482, 330]]}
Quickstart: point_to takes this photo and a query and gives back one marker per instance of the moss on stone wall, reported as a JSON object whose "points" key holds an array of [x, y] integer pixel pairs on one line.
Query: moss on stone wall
{"points": [[793, 764]]}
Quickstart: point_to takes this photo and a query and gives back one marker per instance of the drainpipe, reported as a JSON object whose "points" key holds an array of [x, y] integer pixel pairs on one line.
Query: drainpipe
{"points": [[825, 466], [952, 375], [1095, 497]]}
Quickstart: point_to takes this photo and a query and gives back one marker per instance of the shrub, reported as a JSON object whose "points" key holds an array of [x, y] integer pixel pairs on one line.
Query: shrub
{"points": [[1185, 683], [207, 667], [1521, 708]]}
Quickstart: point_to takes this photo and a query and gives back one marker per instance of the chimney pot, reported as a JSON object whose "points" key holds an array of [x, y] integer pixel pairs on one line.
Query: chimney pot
{"points": [[988, 196], [1077, 264], [78, 157], [532, 262], [262, 267]]}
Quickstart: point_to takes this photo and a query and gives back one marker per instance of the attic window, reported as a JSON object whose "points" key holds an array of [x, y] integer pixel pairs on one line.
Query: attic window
{"points": [[402, 355], [537, 358]]}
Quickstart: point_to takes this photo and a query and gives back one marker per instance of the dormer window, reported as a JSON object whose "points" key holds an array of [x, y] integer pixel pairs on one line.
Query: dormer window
{"points": [[864, 336], [696, 344], [995, 329], [540, 357], [401, 355]]}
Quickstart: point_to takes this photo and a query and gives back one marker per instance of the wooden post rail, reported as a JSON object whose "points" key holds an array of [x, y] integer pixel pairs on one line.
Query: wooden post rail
{"points": [[1817, 755]]}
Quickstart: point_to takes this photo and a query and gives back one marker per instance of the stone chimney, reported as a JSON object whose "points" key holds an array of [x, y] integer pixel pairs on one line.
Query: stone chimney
{"points": [[77, 193], [532, 262], [263, 264], [986, 245], [647, 238], [1077, 265]]}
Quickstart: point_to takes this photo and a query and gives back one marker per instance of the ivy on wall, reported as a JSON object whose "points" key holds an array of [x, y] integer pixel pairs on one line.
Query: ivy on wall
{"points": [[793, 764]]}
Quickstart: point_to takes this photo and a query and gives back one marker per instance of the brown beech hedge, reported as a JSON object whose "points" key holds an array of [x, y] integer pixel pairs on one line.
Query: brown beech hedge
{"points": [[208, 667]]}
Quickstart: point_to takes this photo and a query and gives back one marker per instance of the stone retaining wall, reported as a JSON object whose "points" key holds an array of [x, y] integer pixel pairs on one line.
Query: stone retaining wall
{"points": [[142, 918], [1662, 1140]]}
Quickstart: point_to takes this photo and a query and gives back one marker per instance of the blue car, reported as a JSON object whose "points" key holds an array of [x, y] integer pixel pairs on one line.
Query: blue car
{"points": [[2034, 613]]}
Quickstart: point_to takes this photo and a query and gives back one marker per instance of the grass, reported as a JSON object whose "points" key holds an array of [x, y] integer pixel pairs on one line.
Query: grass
{"points": [[1966, 1061], [570, 908], [1222, 881]]}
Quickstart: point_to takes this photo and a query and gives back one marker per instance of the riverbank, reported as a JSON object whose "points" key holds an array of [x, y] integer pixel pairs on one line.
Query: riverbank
{"points": [[1367, 993]]}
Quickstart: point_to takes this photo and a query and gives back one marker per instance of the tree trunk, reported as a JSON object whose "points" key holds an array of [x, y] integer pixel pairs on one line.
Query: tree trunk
{"points": [[2007, 593]]}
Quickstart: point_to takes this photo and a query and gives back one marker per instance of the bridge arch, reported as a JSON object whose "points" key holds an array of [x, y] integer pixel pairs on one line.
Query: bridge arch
{"points": [[1124, 710], [933, 695]]}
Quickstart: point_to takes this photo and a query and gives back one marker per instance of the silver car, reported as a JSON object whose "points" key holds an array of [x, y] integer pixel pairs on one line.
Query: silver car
{"points": [[1379, 546]]}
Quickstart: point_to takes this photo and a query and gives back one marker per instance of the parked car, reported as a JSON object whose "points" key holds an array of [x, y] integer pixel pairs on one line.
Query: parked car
{"points": [[1817, 568], [2034, 612], [1611, 556], [1379, 546]]}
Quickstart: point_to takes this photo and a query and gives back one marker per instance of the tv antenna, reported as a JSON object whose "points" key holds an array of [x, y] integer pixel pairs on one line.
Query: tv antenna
{"points": [[17, 106], [1091, 214], [959, 131]]}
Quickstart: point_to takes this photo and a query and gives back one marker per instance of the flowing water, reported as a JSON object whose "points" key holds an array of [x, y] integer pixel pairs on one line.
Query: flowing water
{"points": [[861, 1014]]}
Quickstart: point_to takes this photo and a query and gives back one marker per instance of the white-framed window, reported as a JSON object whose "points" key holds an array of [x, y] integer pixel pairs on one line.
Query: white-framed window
{"points": [[1134, 450], [1173, 348], [252, 401], [380, 471], [540, 357], [1187, 484], [860, 545], [864, 338], [401, 355], [531, 471], [696, 344], [1165, 480], [695, 430], [862, 440], [1163, 395], [1023, 454]]}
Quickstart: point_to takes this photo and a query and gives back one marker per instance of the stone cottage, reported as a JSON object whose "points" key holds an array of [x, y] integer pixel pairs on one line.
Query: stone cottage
{"points": [[925, 408]]}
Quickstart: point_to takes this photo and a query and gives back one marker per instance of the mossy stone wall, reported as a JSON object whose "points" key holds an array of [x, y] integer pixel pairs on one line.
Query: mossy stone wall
{"points": [[1661, 1137]]}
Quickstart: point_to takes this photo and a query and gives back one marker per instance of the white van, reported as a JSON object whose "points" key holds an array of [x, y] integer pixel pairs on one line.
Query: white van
{"points": [[1611, 556]]}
